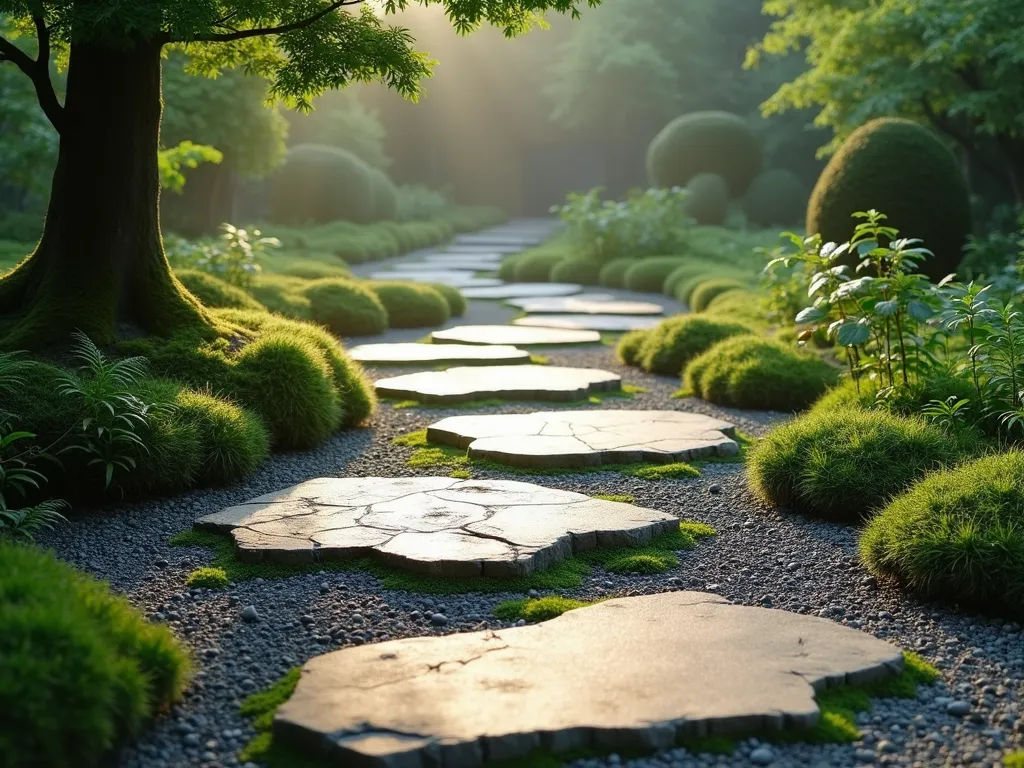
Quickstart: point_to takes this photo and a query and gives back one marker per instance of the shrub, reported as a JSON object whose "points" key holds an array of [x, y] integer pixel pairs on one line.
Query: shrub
{"points": [[456, 301], [577, 270], [903, 170], [214, 292], [845, 464], [80, 668], [507, 270], [535, 266], [411, 305], [648, 275], [282, 295], [346, 307], [312, 270], [703, 293], [233, 441], [689, 268], [709, 199], [318, 184], [737, 304], [628, 349], [613, 274], [776, 198], [705, 142], [956, 535], [901, 399], [385, 198], [674, 342], [685, 288], [210, 578], [761, 374]]}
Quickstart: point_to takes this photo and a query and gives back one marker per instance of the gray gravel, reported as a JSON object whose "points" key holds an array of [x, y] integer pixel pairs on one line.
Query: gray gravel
{"points": [[247, 636]]}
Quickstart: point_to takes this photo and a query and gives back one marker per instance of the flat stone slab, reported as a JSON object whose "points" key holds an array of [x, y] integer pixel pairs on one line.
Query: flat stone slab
{"points": [[513, 335], [522, 382], [586, 304], [456, 279], [469, 265], [523, 290], [634, 673], [476, 248], [609, 323], [433, 525], [587, 438], [410, 353], [524, 240]]}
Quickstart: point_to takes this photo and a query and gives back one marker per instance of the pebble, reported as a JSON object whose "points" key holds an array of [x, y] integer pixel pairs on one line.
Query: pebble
{"points": [[958, 708], [762, 756], [438, 619], [249, 613]]}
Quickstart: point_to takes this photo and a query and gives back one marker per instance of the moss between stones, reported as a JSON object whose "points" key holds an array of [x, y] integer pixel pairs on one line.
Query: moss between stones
{"points": [[625, 498], [211, 578], [1014, 759], [540, 609]]}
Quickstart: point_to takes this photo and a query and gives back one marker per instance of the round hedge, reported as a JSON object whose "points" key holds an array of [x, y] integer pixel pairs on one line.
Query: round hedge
{"points": [[759, 374], [648, 275], [671, 344], [319, 184], [613, 273], [233, 441], [385, 197], [690, 268], [776, 198], [629, 346], [707, 291], [846, 464], [346, 307], [507, 269], [411, 305], [738, 304], [903, 170], [81, 670], [214, 292], [705, 142], [956, 535], [577, 270], [709, 199], [535, 266], [456, 301]]}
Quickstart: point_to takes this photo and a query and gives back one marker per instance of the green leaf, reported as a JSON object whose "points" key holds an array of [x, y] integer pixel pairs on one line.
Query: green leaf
{"points": [[852, 333], [887, 308], [919, 310], [811, 315]]}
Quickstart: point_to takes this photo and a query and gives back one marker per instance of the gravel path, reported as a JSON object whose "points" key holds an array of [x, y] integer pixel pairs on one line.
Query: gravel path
{"points": [[760, 557]]}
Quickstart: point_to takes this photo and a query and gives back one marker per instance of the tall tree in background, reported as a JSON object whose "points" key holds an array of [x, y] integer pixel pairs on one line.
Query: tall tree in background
{"points": [[342, 120], [100, 262]]}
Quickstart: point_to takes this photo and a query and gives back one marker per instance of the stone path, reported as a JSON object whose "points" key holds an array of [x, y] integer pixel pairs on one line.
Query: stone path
{"points": [[587, 438], [409, 353], [626, 674], [456, 279], [593, 322], [521, 290], [587, 304], [514, 335], [476, 248], [521, 382], [433, 525], [431, 263]]}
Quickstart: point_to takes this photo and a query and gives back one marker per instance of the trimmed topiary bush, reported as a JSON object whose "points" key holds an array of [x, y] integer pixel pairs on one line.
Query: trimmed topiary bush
{"points": [[319, 184], [577, 270], [81, 670], [411, 305], [346, 307], [385, 201], [705, 142], [760, 374], [690, 268], [456, 301], [776, 198], [629, 346], [648, 275], [233, 441], [613, 273], [709, 199], [686, 287], [705, 292], [846, 464], [670, 345], [902, 169], [956, 535], [507, 269], [214, 292], [535, 266], [737, 304]]}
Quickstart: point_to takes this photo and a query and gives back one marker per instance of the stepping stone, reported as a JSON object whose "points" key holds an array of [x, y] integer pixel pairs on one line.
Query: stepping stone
{"points": [[409, 353], [522, 382], [485, 238], [471, 265], [459, 258], [587, 304], [524, 290], [587, 438], [512, 335], [456, 279], [484, 248], [432, 525], [609, 323], [633, 673]]}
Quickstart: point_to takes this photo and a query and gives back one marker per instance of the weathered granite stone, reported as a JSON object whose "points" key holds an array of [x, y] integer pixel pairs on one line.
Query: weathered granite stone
{"points": [[609, 323], [455, 278], [513, 335], [521, 382], [432, 525], [631, 673], [587, 304], [411, 353], [587, 438], [519, 290]]}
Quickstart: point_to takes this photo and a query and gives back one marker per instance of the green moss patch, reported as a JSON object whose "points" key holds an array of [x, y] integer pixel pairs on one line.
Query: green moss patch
{"points": [[534, 610], [624, 498], [211, 578], [260, 708]]}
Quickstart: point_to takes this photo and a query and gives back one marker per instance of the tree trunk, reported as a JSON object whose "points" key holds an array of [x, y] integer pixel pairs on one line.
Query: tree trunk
{"points": [[100, 265]]}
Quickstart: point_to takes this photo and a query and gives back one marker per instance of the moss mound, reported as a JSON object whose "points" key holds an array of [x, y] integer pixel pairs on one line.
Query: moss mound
{"points": [[704, 293], [737, 304], [760, 374], [648, 275], [670, 345], [346, 307], [411, 305], [689, 269], [956, 535], [233, 440], [318, 184], [846, 464], [776, 198], [283, 295], [80, 668], [456, 301], [577, 270], [385, 199], [214, 292], [903, 170], [613, 273], [629, 346], [685, 288], [535, 266], [705, 142], [709, 199]]}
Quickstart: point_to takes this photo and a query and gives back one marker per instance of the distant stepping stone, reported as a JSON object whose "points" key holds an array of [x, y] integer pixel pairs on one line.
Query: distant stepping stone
{"points": [[485, 248], [633, 673], [410, 353], [456, 279], [587, 304], [609, 323], [460, 258], [523, 290], [469, 265], [488, 239], [588, 298], [522, 382], [433, 525], [513, 335], [587, 438]]}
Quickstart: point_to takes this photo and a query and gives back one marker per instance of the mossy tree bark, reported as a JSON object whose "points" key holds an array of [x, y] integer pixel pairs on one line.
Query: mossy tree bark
{"points": [[100, 265]]}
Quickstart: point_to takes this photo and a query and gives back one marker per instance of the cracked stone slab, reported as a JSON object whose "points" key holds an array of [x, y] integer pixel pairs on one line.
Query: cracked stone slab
{"points": [[521, 382], [513, 335], [438, 526], [455, 278], [590, 322], [633, 673], [521, 290], [587, 438], [412, 353], [586, 304]]}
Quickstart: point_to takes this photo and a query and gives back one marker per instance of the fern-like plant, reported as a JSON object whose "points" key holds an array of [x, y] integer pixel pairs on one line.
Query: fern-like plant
{"points": [[26, 523]]}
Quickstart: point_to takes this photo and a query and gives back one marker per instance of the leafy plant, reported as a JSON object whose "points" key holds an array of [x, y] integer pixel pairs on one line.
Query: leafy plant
{"points": [[27, 522], [233, 257], [173, 161], [947, 413]]}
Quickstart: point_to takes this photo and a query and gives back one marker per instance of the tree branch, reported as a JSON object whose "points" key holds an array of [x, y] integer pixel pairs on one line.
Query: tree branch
{"points": [[37, 70], [278, 30], [13, 53]]}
